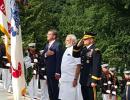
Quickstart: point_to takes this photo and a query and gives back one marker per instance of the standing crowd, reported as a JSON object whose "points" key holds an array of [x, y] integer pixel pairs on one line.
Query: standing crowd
{"points": [[76, 73]]}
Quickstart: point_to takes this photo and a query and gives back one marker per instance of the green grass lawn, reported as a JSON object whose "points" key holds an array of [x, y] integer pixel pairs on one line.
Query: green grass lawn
{"points": [[119, 98]]}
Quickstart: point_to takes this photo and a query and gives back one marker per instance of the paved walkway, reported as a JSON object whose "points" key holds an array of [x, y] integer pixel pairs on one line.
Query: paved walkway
{"points": [[4, 95]]}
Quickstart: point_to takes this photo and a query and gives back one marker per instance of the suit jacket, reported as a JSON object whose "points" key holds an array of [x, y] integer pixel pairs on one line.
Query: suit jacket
{"points": [[53, 63]]}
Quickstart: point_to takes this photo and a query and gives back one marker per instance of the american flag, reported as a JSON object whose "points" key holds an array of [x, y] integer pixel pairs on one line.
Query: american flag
{"points": [[15, 20]]}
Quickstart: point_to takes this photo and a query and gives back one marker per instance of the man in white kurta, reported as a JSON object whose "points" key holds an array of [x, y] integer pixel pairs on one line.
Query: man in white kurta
{"points": [[69, 87]]}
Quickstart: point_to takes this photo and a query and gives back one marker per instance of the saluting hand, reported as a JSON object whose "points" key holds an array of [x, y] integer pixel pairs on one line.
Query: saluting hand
{"points": [[80, 43]]}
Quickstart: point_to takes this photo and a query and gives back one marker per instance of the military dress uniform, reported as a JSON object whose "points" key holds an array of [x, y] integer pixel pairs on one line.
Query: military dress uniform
{"points": [[90, 67], [109, 84], [125, 86], [2, 53], [5, 68], [42, 78], [115, 83], [33, 84], [6, 74]]}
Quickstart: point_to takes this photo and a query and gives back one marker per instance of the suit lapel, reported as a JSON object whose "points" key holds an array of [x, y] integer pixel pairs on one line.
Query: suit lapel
{"points": [[46, 47]]}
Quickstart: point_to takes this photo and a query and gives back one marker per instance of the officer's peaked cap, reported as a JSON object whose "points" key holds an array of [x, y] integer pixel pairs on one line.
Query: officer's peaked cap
{"points": [[88, 35], [31, 44], [127, 72], [112, 69], [104, 65]]}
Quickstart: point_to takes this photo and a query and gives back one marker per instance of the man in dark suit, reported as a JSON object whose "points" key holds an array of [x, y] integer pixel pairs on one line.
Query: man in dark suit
{"points": [[53, 54], [90, 65]]}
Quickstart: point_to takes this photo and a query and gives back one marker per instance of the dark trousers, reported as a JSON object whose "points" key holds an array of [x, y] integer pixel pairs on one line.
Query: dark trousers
{"points": [[126, 93], [53, 88], [87, 93]]}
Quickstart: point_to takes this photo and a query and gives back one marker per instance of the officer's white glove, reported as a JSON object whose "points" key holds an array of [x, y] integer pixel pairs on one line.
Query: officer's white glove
{"points": [[41, 51], [32, 64], [5, 57], [34, 72], [45, 76], [8, 64], [42, 68], [35, 61]]}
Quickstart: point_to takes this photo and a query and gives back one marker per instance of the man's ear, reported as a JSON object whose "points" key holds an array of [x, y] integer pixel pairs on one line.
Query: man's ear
{"points": [[54, 37]]}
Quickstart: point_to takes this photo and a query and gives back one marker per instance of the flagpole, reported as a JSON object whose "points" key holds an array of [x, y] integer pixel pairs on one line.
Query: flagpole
{"points": [[18, 79], [10, 26]]}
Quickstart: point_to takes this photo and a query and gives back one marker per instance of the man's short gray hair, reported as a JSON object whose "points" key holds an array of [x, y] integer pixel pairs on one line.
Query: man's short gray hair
{"points": [[73, 37]]}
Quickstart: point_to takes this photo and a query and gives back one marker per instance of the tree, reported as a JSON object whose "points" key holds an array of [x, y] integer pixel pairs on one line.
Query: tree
{"points": [[110, 19]]}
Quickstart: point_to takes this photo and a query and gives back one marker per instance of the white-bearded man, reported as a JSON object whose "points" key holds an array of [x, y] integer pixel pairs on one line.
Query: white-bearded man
{"points": [[70, 69]]}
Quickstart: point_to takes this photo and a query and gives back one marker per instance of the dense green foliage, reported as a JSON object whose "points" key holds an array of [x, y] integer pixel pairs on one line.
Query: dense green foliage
{"points": [[110, 19]]}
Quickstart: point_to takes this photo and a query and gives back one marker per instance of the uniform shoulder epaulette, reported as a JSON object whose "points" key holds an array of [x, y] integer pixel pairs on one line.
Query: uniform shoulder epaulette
{"points": [[76, 50], [97, 49]]}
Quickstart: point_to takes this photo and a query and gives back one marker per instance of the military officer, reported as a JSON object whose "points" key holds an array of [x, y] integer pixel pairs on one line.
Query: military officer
{"points": [[90, 65], [5, 65], [33, 85], [115, 83], [43, 78], [125, 86], [2, 53], [6, 73], [105, 81], [109, 83]]}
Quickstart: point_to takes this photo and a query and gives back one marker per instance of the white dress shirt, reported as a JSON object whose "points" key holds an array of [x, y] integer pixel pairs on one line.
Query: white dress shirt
{"points": [[50, 44]]}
